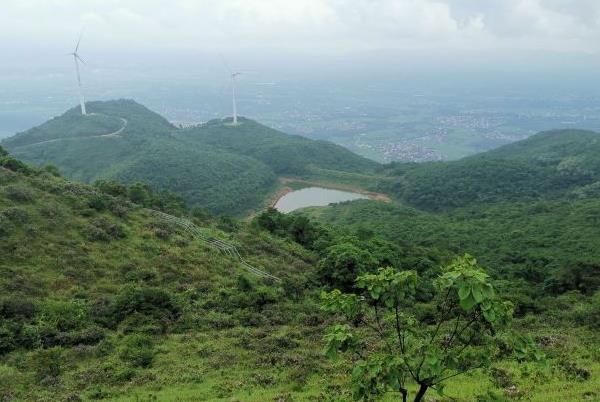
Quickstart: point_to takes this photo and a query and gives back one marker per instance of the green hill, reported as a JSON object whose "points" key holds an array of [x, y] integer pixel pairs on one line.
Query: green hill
{"points": [[102, 299], [548, 165], [223, 168], [285, 154]]}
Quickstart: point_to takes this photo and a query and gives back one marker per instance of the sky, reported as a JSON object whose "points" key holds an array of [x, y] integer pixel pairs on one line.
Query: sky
{"points": [[308, 26], [148, 48]]}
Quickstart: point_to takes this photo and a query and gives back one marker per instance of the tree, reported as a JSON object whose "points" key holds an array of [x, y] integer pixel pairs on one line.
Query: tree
{"points": [[393, 348], [343, 263], [140, 193], [111, 187]]}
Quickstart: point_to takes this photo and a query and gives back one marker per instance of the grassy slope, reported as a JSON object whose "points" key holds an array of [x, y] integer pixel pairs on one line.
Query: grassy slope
{"points": [[49, 259], [232, 340]]}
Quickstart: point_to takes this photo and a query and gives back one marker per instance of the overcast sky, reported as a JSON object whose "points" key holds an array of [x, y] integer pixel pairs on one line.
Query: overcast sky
{"points": [[304, 25]]}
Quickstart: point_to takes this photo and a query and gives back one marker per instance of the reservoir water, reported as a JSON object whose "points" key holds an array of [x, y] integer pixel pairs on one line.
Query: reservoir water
{"points": [[313, 197]]}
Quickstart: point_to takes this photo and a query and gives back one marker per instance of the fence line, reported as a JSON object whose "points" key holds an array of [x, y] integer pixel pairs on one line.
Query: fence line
{"points": [[219, 244]]}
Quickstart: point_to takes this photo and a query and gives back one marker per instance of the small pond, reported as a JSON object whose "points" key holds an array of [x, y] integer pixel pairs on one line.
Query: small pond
{"points": [[314, 197]]}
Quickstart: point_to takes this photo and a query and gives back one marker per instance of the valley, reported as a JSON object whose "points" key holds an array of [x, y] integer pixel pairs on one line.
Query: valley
{"points": [[137, 290]]}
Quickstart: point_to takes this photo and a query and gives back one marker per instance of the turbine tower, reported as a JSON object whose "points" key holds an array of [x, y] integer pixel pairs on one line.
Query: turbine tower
{"points": [[78, 59], [233, 75]]}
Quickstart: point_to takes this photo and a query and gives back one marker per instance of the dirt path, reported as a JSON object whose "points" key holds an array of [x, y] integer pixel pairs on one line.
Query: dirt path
{"points": [[109, 135]]}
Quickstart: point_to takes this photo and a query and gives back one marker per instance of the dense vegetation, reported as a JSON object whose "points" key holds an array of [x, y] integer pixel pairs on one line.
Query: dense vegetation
{"points": [[101, 299], [286, 155], [218, 166], [540, 239], [548, 165]]}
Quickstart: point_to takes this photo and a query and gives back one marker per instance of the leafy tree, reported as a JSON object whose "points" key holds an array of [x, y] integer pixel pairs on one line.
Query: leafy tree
{"points": [[343, 262], [3, 152], [299, 228], [111, 187], [140, 193], [393, 348], [52, 169]]}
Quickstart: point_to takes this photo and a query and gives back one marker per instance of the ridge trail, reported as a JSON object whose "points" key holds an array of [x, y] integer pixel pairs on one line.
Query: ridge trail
{"points": [[109, 135]]}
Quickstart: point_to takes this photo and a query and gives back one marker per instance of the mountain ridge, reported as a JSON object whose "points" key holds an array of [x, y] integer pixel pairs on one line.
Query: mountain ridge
{"points": [[224, 168]]}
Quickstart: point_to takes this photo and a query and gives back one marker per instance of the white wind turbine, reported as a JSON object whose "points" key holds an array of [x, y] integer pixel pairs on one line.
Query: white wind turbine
{"points": [[78, 59], [233, 75]]}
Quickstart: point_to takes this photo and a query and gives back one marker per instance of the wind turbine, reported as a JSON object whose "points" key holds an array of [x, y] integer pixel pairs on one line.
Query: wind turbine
{"points": [[78, 59], [233, 75]]}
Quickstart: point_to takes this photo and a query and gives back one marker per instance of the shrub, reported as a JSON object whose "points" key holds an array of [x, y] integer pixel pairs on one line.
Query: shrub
{"points": [[111, 187], [53, 170], [98, 202], [16, 215], [51, 210], [86, 336], [588, 313], [155, 303], [47, 363], [7, 339], [94, 233], [16, 308], [137, 350], [103, 230], [344, 262], [15, 165], [5, 226], [64, 316], [20, 193]]}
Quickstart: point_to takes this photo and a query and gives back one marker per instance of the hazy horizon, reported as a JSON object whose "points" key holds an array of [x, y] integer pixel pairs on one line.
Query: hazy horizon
{"points": [[367, 58]]}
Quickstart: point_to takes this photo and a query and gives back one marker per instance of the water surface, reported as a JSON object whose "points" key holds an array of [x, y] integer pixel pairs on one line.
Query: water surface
{"points": [[314, 197]]}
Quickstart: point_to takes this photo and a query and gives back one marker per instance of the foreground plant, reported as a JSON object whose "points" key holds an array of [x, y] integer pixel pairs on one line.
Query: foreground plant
{"points": [[392, 348]]}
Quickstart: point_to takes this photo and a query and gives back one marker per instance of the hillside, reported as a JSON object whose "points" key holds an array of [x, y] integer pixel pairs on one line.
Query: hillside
{"points": [[99, 298], [285, 154], [104, 299], [223, 168], [548, 165], [529, 210]]}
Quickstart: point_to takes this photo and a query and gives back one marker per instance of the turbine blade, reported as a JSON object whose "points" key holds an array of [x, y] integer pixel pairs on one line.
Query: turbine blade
{"points": [[80, 59], [79, 41]]}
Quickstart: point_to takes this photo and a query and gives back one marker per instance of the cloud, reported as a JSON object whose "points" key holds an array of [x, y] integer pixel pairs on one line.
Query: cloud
{"points": [[317, 25]]}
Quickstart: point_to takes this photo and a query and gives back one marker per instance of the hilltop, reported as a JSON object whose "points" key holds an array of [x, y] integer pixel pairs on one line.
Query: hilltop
{"points": [[223, 168]]}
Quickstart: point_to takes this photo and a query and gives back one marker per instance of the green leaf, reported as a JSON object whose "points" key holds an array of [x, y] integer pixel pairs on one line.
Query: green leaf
{"points": [[489, 315], [477, 294], [488, 291], [463, 292], [468, 303]]}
